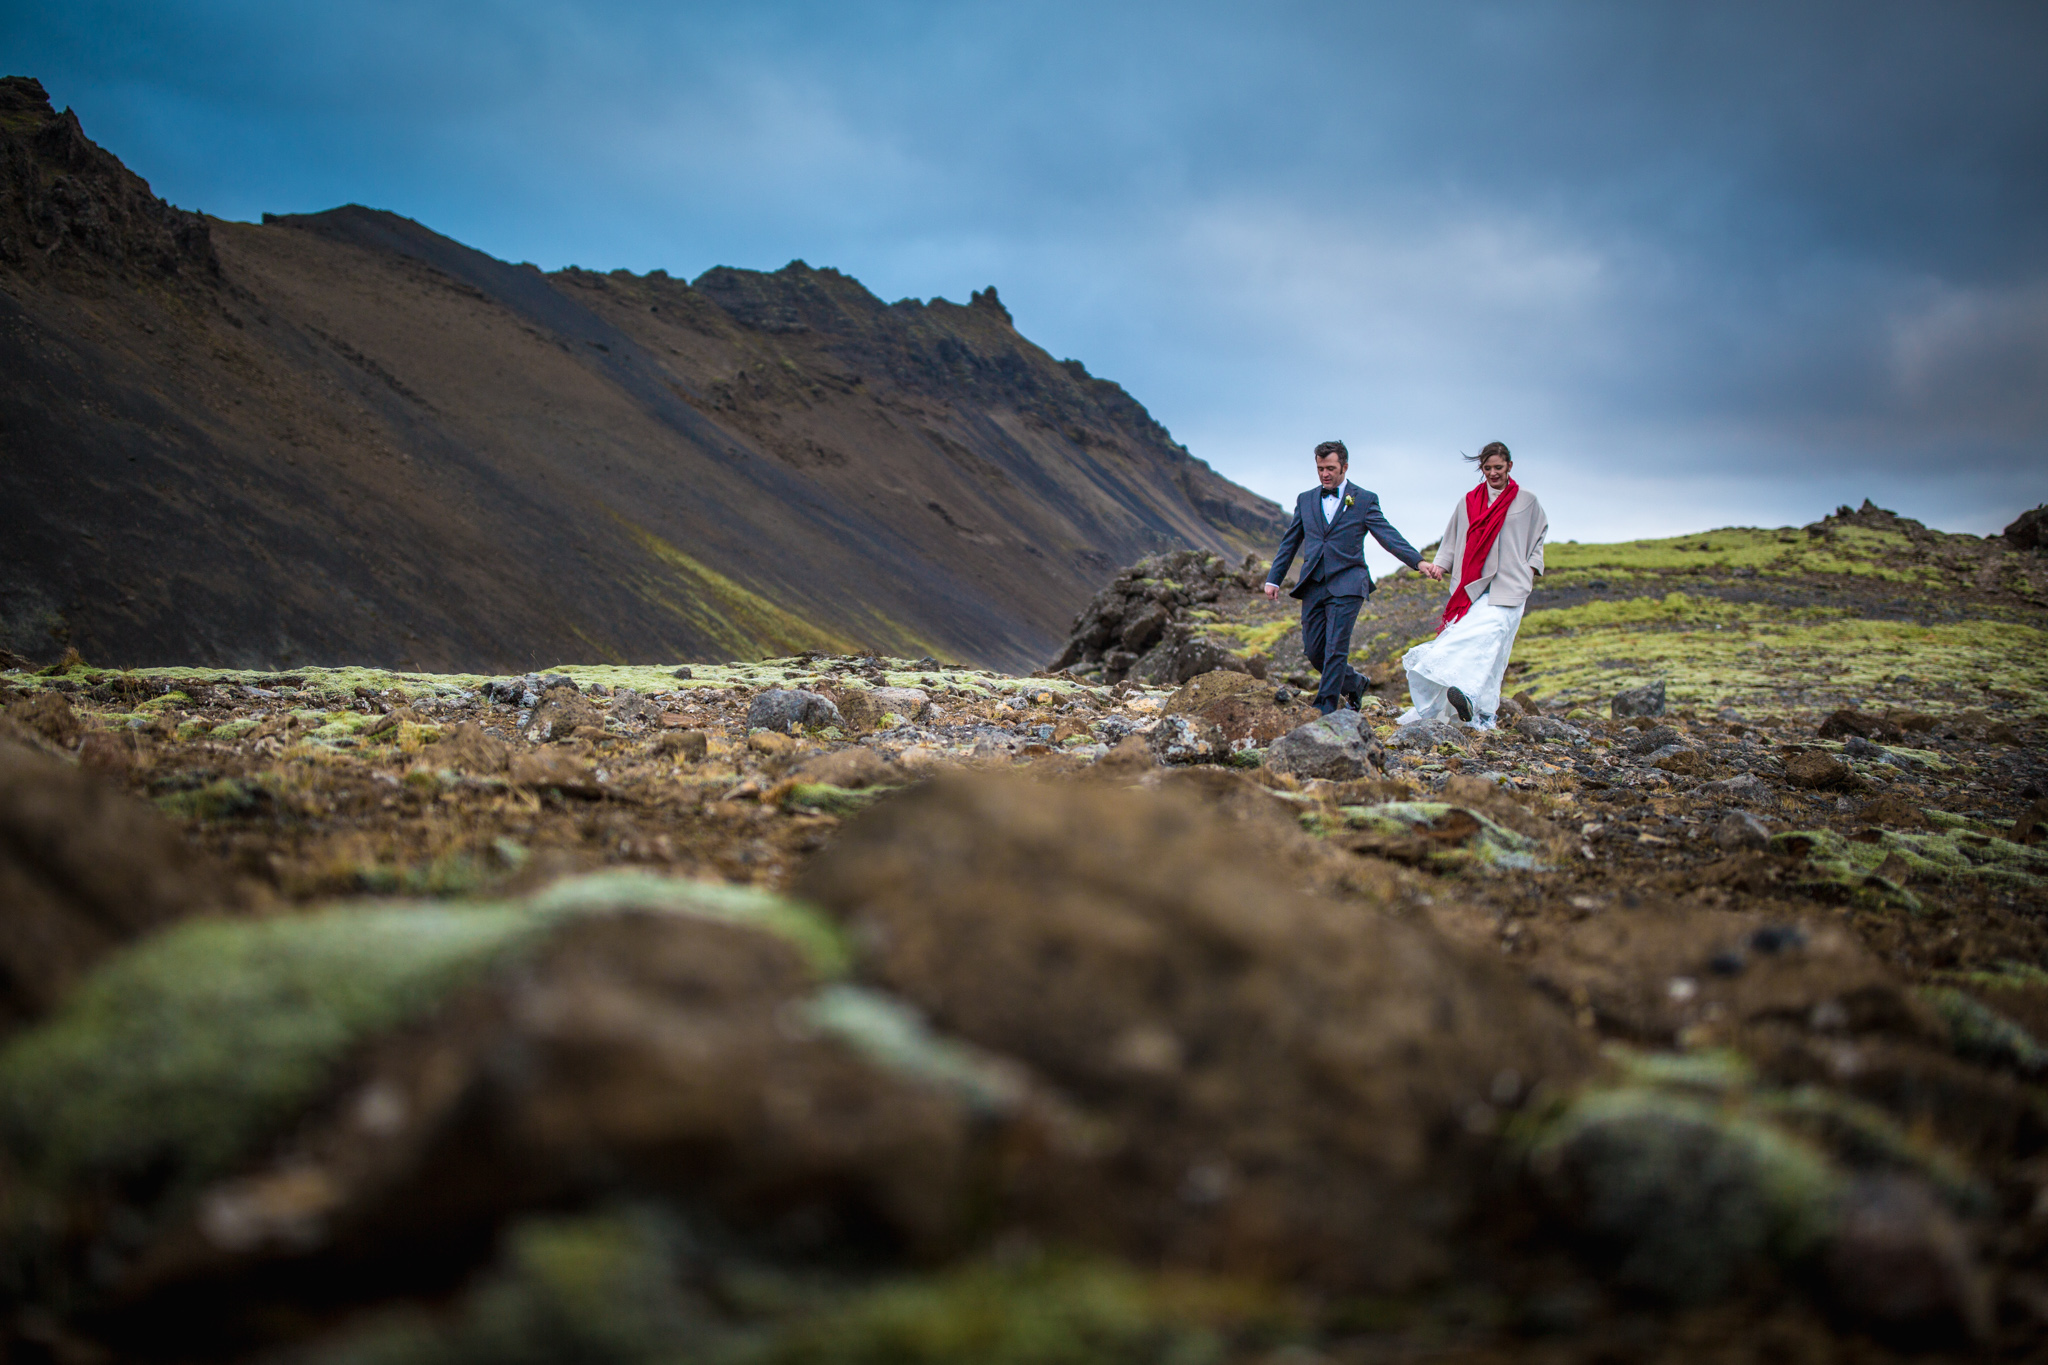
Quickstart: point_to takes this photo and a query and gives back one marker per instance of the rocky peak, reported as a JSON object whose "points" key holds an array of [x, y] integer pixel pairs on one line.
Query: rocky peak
{"points": [[69, 205]]}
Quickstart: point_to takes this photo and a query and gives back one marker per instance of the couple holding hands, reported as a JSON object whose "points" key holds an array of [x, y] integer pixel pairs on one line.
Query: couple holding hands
{"points": [[1492, 553]]}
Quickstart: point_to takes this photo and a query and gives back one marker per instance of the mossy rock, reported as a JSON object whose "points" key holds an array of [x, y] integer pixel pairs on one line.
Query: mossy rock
{"points": [[1982, 1034], [180, 1056], [1689, 1192]]}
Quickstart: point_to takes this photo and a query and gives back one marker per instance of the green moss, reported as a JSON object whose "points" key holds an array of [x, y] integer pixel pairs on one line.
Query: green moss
{"points": [[1708, 653], [182, 1053], [1049, 1312], [1493, 845], [234, 729], [1943, 855], [1687, 1191], [1853, 550], [892, 1035], [622, 1289], [1982, 1034], [826, 799], [219, 799]]}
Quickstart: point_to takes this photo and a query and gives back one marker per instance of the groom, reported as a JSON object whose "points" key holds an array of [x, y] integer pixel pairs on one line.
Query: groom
{"points": [[1330, 522]]}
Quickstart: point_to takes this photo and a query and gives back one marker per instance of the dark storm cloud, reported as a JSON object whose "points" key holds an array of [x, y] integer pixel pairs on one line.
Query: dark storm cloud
{"points": [[1731, 262]]}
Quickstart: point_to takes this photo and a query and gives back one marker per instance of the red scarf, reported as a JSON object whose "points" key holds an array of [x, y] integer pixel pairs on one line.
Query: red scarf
{"points": [[1482, 528]]}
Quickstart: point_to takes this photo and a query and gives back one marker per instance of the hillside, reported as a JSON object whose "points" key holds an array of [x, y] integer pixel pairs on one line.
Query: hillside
{"points": [[343, 438]]}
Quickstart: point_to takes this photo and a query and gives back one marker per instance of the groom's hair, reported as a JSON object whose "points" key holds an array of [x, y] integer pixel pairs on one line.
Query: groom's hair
{"points": [[1337, 448], [1491, 448]]}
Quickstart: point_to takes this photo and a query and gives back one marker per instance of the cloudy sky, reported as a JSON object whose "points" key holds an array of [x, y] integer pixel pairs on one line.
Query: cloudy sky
{"points": [[1698, 265]]}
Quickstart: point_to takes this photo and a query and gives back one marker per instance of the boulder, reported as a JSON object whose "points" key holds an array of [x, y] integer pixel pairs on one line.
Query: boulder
{"points": [[1339, 747], [1282, 1084], [2029, 531], [785, 710], [1638, 701]]}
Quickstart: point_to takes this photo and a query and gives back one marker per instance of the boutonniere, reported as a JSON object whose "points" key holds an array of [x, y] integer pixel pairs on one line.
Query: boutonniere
{"points": [[1348, 500]]}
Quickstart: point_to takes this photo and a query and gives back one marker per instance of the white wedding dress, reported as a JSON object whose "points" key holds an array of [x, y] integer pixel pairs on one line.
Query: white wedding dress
{"points": [[1471, 656]]}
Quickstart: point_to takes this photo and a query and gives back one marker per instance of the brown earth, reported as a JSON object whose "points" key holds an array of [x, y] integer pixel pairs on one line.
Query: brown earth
{"points": [[340, 436], [1240, 1033]]}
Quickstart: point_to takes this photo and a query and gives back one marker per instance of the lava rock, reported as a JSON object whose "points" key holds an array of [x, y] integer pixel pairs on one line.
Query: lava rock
{"points": [[1338, 747], [785, 709], [1638, 701], [1188, 739], [1427, 734]]}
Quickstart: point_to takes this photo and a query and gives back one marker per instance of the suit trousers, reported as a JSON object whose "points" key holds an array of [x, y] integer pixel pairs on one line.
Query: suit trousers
{"points": [[1326, 622]]}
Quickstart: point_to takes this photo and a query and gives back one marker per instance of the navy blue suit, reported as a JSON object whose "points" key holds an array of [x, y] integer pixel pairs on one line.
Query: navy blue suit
{"points": [[1334, 580]]}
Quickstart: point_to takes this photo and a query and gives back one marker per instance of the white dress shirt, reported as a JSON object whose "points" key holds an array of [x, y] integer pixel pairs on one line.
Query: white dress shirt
{"points": [[1331, 501]]}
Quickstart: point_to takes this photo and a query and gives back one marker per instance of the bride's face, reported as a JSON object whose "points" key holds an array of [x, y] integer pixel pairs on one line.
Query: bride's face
{"points": [[1496, 471]]}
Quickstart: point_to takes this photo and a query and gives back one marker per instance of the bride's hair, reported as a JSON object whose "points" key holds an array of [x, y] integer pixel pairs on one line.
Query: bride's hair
{"points": [[1491, 448]]}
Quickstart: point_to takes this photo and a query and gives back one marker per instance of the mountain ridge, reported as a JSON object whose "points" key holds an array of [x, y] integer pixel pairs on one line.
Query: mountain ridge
{"points": [[342, 436]]}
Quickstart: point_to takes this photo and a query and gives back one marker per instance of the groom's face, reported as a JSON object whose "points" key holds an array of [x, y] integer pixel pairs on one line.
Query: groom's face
{"points": [[1329, 472]]}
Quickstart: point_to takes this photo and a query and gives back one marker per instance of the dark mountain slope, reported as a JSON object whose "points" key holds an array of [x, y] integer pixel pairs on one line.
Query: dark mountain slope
{"points": [[341, 436]]}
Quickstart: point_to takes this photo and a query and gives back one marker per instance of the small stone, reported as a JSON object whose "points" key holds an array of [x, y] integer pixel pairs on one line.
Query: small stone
{"points": [[785, 709], [1337, 746], [1650, 740], [1777, 938], [684, 674], [1741, 787], [1740, 829], [1639, 701], [912, 703]]}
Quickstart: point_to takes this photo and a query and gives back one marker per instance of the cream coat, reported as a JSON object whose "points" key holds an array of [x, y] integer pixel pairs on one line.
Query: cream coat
{"points": [[1515, 560]]}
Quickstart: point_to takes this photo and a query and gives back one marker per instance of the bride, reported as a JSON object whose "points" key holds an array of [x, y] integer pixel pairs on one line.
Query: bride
{"points": [[1492, 551]]}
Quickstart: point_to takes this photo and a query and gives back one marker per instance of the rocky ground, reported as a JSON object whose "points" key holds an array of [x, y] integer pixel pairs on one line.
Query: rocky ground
{"points": [[843, 1008]]}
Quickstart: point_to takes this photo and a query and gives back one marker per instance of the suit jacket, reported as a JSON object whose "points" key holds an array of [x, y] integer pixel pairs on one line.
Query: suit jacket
{"points": [[1333, 552]]}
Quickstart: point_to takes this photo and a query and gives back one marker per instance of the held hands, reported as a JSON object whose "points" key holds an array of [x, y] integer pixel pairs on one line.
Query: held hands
{"points": [[1434, 572]]}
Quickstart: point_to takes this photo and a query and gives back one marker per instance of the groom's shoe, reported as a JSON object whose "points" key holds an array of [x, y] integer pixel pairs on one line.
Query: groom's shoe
{"points": [[1460, 703], [1352, 695]]}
